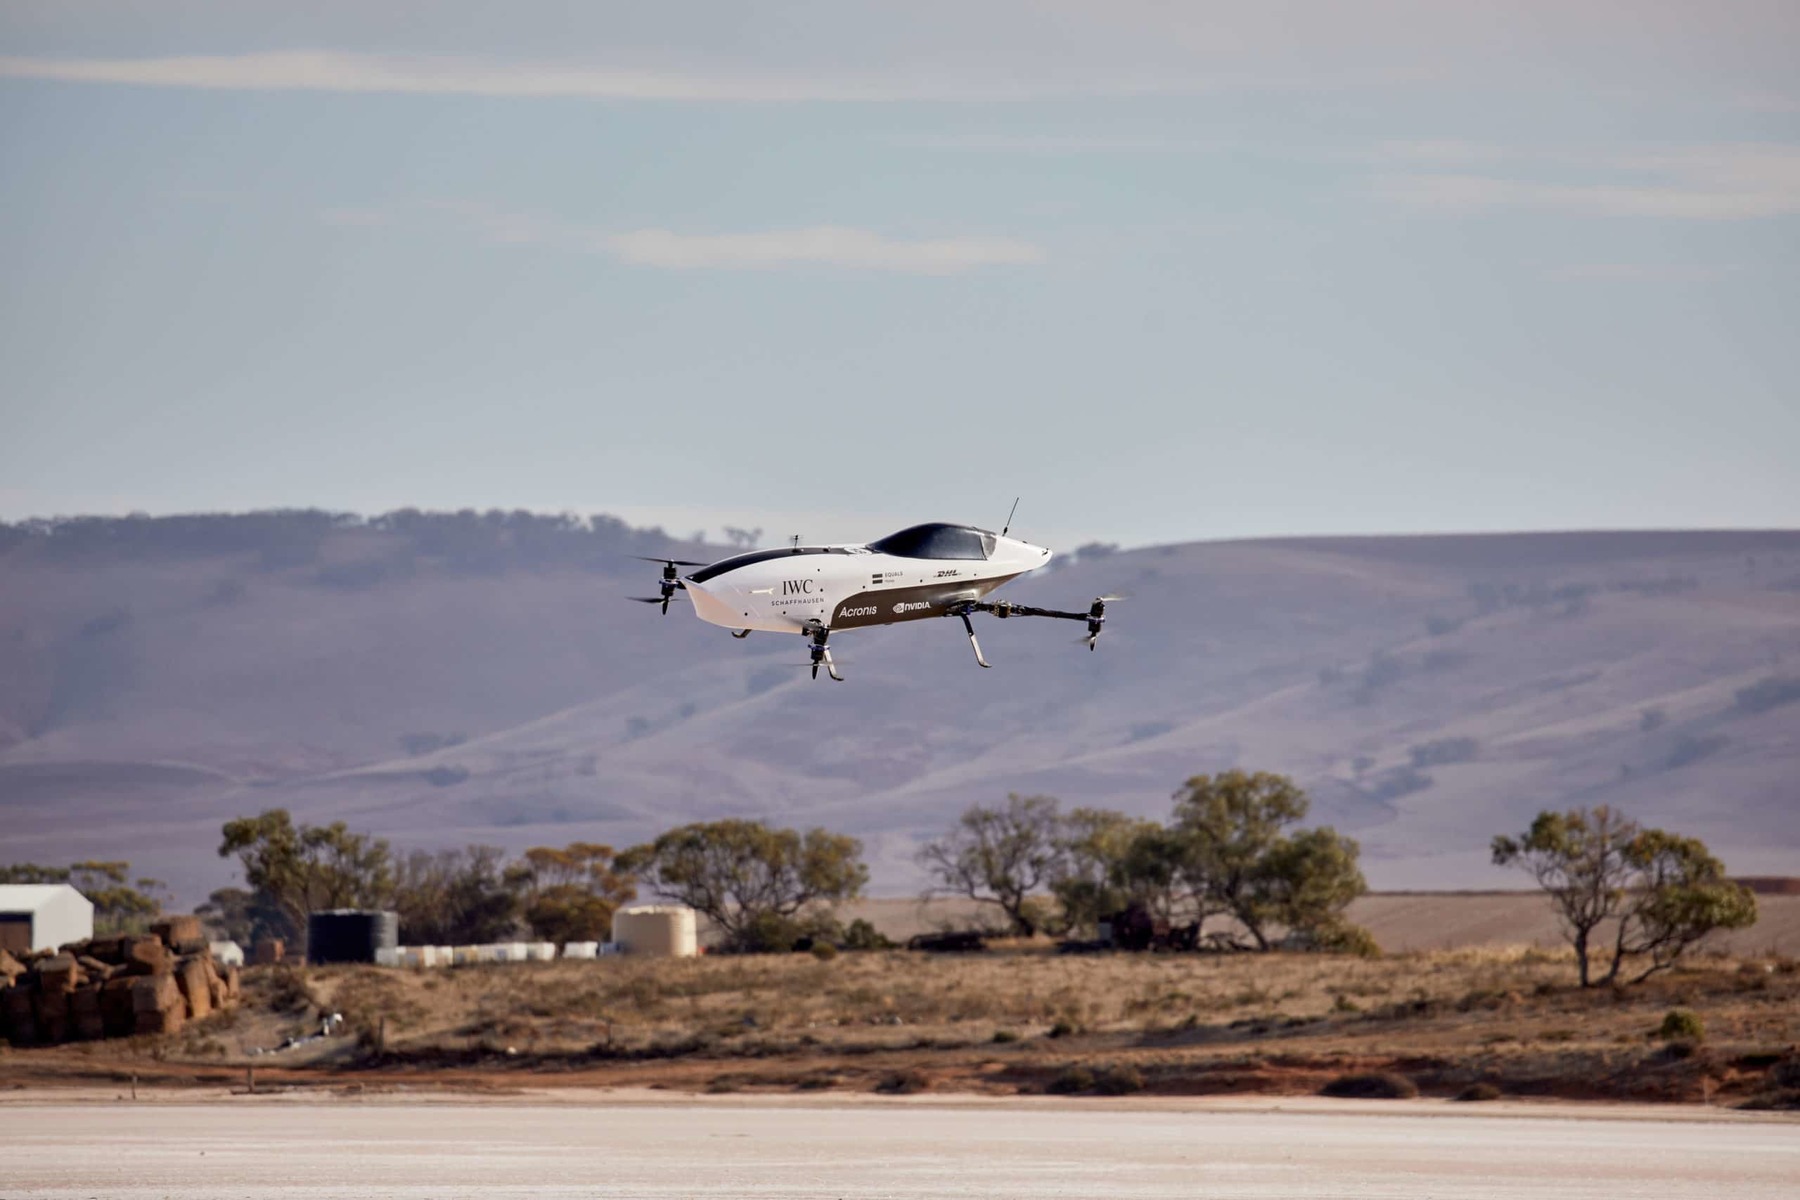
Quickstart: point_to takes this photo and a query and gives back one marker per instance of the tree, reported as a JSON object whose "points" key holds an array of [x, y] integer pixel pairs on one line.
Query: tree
{"points": [[572, 893], [753, 882], [1579, 859], [231, 914], [1306, 881], [33, 873], [301, 869], [1680, 896], [1109, 860], [1664, 892], [1001, 856], [121, 904], [454, 897], [1225, 828]]}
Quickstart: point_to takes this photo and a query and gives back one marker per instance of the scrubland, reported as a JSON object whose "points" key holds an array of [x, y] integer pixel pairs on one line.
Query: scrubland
{"points": [[1019, 1018]]}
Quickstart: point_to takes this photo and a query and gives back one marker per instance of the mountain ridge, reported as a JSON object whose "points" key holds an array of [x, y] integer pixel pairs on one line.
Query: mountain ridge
{"points": [[1429, 690]]}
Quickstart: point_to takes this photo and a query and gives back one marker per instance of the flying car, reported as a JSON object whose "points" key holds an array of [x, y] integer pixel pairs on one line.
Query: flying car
{"points": [[932, 570]]}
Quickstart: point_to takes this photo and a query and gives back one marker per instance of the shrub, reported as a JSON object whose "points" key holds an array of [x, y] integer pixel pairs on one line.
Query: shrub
{"points": [[1003, 1036], [903, 1083], [1063, 1028], [1070, 1080], [1683, 1024], [863, 936], [1119, 1081], [1345, 937], [824, 951], [1479, 1091], [1777, 1101], [1371, 1085]]}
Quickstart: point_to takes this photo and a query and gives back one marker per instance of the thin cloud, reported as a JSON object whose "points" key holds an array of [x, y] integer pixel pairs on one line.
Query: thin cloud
{"points": [[440, 75], [1734, 182], [1004, 49], [1438, 152], [1637, 273], [821, 245], [1057, 144], [831, 246]]}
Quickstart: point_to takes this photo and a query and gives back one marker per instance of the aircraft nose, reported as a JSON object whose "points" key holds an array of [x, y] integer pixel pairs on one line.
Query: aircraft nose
{"points": [[1034, 556]]}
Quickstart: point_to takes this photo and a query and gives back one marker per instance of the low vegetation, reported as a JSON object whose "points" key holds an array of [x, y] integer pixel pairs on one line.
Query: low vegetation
{"points": [[1371, 1085], [1634, 1008], [1160, 1024], [1681, 1024]]}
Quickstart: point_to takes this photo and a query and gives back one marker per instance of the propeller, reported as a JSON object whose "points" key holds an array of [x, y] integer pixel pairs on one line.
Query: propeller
{"points": [[830, 662], [671, 580], [1096, 618]]}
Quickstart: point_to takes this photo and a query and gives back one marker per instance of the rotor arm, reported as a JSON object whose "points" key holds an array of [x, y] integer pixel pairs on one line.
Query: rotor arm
{"points": [[1006, 608], [1095, 616]]}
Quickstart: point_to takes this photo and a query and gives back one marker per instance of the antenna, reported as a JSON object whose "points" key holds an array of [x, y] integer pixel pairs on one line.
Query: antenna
{"points": [[794, 540], [1009, 517]]}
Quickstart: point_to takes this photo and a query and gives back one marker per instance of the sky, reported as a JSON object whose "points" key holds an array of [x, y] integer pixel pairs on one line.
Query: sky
{"points": [[1166, 271]]}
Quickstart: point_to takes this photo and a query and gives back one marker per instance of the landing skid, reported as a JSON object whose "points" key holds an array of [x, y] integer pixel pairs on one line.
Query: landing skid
{"points": [[973, 641], [821, 653]]}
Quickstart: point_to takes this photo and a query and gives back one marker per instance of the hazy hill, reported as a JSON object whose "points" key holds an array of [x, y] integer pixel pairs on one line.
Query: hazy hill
{"points": [[450, 678]]}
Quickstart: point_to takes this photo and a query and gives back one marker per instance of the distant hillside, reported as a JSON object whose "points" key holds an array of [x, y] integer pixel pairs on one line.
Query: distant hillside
{"points": [[443, 678]]}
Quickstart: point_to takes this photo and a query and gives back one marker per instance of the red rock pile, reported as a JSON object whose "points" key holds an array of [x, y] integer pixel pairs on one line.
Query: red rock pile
{"points": [[114, 987]]}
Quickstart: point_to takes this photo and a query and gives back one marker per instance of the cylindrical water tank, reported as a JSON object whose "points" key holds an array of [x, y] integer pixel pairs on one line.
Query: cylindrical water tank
{"points": [[657, 930], [348, 935]]}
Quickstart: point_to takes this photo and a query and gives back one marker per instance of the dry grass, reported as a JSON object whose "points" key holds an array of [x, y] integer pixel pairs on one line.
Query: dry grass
{"points": [[891, 998], [1022, 1018]]}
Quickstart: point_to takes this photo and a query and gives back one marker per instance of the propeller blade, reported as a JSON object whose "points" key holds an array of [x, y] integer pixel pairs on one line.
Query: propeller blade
{"points": [[680, 562], [651, 599]]}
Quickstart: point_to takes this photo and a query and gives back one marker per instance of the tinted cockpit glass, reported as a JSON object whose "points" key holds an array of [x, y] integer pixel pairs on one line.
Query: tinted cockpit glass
{"points": [[937, 541], [755, 556]]}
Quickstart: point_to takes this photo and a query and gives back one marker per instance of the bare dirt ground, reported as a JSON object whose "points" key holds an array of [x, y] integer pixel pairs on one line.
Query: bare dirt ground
{"points": [[886, 1147]]}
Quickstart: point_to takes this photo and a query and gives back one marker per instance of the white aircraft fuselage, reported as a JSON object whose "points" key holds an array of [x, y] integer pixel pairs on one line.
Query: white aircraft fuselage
{"points": [[923, 571]]}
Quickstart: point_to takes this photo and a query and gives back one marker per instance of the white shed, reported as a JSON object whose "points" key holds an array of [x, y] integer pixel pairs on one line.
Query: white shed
{"points": [[43, 916]]}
